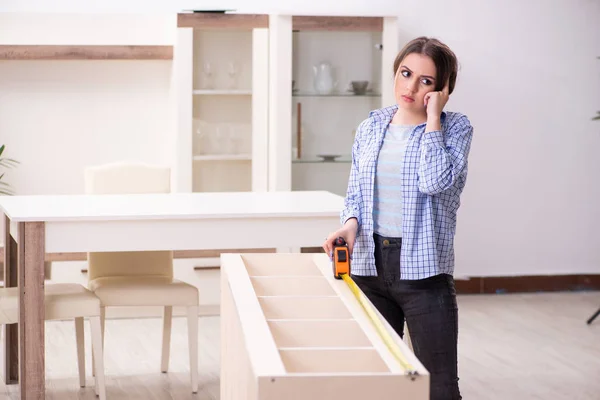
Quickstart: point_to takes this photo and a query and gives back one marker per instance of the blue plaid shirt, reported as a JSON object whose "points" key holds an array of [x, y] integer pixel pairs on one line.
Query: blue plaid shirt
{"points": [[434, 175]]}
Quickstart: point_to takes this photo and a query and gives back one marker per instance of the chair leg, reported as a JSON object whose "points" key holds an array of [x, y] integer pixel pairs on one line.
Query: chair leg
{"points": [[79, 335], [166, 339], [98, 352], [102, 321], [192, 320]]}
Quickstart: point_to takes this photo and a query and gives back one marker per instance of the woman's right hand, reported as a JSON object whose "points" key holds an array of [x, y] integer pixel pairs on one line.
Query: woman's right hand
{"points": [[348, 232]]}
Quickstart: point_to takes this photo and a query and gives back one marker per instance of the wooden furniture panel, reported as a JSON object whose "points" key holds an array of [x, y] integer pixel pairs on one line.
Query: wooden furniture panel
{"points": [[336, 23], [85, 52], [222, 21], [295, 332], [31, 298]]}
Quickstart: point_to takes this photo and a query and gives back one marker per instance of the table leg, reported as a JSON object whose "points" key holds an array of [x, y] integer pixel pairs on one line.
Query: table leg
{"points": [[11, 332], [31, 310]]}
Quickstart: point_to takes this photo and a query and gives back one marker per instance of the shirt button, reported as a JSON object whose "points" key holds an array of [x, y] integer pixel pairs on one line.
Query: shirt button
{"points": [[386, 242]]}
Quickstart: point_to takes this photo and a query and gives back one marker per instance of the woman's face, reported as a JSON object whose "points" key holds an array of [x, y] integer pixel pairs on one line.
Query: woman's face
{"points": [[414, 79]]}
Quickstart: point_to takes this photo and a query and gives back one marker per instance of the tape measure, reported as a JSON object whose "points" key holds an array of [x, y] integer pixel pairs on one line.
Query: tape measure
{"points": [[341, 270]]}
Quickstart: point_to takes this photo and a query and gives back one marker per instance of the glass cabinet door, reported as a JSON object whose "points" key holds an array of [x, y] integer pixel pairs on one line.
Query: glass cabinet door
{"points": [[340, 71], [226, 97]]}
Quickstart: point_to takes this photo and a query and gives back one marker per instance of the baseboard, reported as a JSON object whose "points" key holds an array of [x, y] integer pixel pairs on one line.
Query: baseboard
{"points": [[527, 284]]}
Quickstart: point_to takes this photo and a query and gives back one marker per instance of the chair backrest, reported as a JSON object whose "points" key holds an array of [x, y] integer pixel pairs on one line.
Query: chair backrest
{"points": [[128, 178]]}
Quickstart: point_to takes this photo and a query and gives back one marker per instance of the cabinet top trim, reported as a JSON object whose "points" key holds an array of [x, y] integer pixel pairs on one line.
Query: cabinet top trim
{"points": [[336, 23], [222, 21], [299, 22]]}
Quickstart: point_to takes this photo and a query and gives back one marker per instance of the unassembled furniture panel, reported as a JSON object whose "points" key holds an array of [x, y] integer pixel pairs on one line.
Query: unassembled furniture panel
{"points": [[289, 330]]}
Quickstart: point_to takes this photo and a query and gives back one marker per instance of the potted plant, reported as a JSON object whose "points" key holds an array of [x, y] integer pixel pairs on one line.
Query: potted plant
{"points": [[5, 188]]}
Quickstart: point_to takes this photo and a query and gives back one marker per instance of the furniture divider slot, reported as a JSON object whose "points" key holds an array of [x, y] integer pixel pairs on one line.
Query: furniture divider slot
{"points": [[333, 361], [310, 307], [283, 265], [292, 286], [318, 333]]}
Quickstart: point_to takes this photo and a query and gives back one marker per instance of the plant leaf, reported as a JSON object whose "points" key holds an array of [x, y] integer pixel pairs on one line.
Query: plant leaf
{"points": [[8, 162], [6, 165]]}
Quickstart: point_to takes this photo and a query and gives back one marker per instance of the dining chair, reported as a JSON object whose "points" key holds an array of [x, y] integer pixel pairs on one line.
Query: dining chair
{"points": [[141, 278], [65, 301]]}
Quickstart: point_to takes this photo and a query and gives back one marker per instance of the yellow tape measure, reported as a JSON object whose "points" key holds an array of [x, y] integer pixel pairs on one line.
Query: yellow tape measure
{"points": [[385, 336]]}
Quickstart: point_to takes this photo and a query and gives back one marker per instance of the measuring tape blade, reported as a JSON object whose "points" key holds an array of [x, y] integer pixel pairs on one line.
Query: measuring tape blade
{"points": [[383, 333]]}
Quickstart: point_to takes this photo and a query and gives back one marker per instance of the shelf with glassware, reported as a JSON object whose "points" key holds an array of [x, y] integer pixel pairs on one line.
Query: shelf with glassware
{"points": [[222, 101], [340, 72]]}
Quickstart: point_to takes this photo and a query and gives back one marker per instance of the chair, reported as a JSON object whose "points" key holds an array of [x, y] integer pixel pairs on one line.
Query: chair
{"points": [[141, 278], [66, 301]]}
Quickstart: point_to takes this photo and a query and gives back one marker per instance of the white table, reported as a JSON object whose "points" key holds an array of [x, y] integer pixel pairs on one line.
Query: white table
{"points": [[36, 225]]}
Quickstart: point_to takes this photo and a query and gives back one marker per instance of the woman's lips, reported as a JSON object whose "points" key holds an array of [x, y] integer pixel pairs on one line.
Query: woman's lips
{"points": [[408, 99]]}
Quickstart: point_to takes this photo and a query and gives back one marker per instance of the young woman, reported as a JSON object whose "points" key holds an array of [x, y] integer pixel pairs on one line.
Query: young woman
{"points": [[409, 167]]}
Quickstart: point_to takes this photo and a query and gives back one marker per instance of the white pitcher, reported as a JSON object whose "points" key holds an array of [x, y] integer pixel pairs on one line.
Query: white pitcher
{"points": [[323, 78]]}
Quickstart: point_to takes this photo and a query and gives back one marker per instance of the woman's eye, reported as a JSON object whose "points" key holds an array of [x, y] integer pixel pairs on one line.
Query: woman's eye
{"points": [[405, 74], [426, 82]]}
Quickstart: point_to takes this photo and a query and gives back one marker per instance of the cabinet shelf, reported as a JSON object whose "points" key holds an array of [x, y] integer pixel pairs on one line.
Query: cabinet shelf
{"points": [[221, 92], [343, 160], [223, 157], [334, 94]]}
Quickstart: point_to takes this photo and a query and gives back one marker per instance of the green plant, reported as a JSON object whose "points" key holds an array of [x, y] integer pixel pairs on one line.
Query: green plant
{"points": [[6, 163]]}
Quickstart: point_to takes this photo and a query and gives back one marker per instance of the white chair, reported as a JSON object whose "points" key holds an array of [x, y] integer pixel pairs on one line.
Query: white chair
{"points": [[66, 301], [141, 278]]}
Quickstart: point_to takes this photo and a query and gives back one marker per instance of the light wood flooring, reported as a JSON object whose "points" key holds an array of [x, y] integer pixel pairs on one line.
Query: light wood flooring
{"points": [[512, 347]]}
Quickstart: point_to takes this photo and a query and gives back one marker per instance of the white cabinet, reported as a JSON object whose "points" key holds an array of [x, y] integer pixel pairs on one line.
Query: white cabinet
{"points": [[256, 106], [221, 97]]}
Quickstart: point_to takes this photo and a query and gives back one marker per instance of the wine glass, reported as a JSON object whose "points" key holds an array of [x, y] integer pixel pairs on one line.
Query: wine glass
{"points": [[232, 70], [207, 75]]}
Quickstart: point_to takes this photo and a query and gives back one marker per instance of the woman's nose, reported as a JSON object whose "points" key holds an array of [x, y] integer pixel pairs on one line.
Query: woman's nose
{"points": [[411, 85]]}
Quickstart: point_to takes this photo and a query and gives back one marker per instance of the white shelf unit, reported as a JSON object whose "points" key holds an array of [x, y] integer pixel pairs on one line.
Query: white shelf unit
{"points": [[222, 119], [358, 49]]}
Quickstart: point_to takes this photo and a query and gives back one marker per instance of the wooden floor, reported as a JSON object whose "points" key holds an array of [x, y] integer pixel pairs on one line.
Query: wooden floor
{"points": [[534, 346]]}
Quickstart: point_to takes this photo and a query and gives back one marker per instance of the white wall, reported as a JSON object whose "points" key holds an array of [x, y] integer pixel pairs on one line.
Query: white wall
{"points": [[529, 81]]}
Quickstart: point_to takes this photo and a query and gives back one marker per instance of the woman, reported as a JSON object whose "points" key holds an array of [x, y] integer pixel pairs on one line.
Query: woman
{"points": [[409, 167]]}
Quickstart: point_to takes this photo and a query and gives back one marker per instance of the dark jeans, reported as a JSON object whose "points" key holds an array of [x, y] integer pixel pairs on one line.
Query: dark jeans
{"points": [[430, 309]]}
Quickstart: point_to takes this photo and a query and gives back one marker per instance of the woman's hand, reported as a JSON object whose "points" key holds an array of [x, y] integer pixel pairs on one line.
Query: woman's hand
{"points": [[348, 232], [435, 102]]}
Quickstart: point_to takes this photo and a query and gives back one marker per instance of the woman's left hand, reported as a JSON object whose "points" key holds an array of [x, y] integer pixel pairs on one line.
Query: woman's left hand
{"points": [[436, 101]]}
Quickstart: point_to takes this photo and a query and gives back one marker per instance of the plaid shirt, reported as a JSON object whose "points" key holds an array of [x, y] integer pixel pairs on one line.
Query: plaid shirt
{"points": [[434, 175]]}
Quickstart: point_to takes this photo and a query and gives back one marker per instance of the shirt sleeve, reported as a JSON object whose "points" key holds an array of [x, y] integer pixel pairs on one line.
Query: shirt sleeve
{"points": [[352, 201], [444, 156]]}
